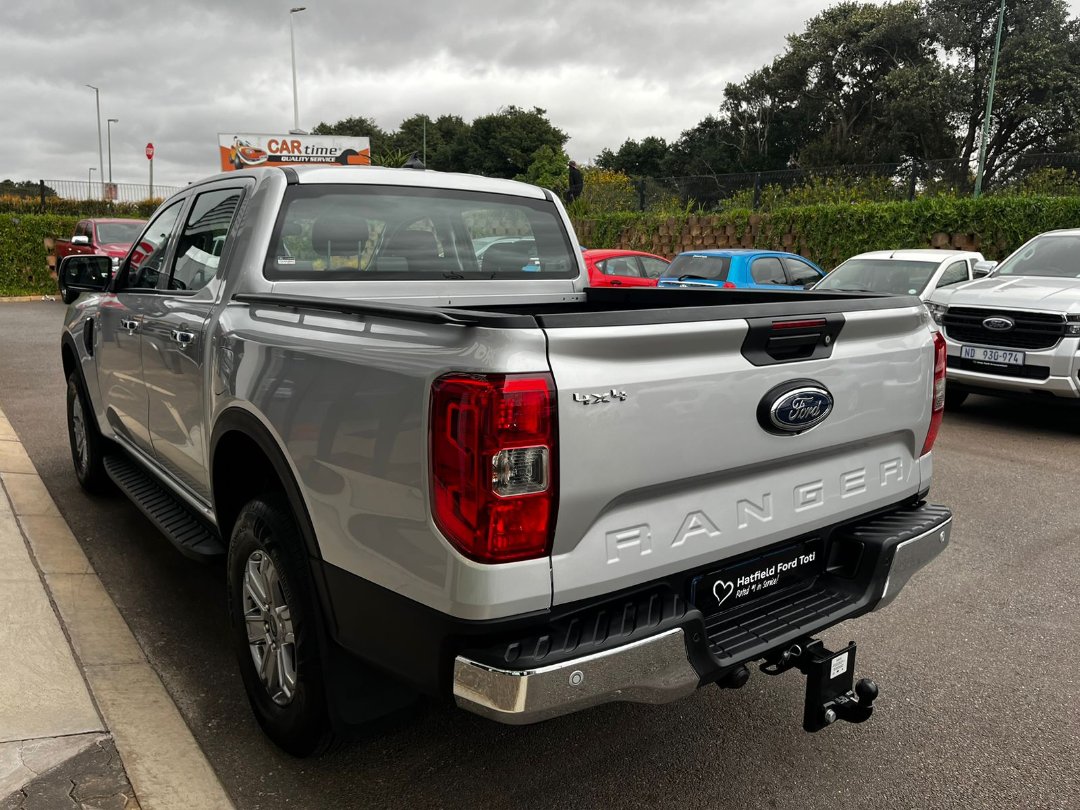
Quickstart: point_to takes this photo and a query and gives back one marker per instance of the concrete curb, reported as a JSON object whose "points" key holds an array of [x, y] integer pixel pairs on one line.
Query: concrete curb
{"points": [[165, 765], [22, 299]]}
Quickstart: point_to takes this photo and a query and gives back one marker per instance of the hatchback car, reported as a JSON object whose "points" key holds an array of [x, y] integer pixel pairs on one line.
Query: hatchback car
{"points": [[904, 272], [624, 268], [749, 269]]}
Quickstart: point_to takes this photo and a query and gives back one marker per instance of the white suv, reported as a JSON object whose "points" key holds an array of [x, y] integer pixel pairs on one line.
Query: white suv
{"points": [[1017, 331], [903, 272]]}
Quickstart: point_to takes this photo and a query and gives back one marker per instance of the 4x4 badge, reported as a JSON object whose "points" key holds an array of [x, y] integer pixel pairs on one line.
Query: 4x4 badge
{"points": [[593, 399]]}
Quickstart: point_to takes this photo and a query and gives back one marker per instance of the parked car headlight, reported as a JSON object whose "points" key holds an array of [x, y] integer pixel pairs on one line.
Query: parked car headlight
{"points": [[1072, 324], [937, 311]]}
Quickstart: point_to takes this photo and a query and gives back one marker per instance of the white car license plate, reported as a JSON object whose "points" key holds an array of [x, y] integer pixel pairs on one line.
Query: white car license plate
{"points": [[1001, 356]]}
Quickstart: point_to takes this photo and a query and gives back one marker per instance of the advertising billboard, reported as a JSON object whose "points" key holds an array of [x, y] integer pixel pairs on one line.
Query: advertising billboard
{"points": [[248, 150]]}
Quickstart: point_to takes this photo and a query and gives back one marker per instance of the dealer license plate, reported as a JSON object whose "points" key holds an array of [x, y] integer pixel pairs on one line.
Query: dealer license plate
{"points": [[735, 586], [980, 354]]}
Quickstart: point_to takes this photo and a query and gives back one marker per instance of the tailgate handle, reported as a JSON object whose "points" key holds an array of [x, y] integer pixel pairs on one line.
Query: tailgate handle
{"points": [[770, 340]]}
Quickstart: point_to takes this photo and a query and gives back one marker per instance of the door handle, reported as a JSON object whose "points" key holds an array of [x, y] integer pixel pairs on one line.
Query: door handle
{"points": [[183, 339], [129, 323]]}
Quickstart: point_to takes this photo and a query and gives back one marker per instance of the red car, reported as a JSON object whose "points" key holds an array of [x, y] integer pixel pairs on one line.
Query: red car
{"points": [[101, 237], [623, 268]]}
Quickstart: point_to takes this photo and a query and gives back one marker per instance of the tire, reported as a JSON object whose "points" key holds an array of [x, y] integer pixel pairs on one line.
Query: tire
{"points": [[954, 397], [269, 583], [87, 443]]}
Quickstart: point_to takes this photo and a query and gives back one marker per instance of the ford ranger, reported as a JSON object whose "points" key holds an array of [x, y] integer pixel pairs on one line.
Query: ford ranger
{"points": [[1016, 332], [427, 472]]}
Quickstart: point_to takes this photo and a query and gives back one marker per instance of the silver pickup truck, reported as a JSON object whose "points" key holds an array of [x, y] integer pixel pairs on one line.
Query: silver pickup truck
{"points": [[438, 464], [1017, 333]]}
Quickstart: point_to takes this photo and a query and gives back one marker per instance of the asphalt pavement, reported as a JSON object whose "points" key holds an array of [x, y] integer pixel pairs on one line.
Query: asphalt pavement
{"points": [[977, 659]]}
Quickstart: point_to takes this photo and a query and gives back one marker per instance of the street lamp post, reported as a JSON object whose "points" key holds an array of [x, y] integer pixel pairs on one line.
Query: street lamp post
{"points": [[292, 41], [90, 183], [989, 104], [101, 159], [108, 127]]}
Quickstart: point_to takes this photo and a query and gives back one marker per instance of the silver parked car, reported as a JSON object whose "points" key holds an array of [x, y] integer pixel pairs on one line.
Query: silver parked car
{"points": [[904, 272]]}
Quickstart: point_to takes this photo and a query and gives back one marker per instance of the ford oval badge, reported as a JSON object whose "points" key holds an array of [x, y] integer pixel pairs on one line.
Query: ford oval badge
{"points": [[999, 324], [795, 407]]}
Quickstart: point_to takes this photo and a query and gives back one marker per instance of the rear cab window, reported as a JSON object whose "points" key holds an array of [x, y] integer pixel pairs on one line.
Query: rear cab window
{"points": [[699, 266], [358, 232]]}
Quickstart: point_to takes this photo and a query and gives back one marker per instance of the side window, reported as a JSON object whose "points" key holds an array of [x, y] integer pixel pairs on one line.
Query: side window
{"points": [[620, 266], [654, 268], [199, 249], [147, 256], [799, 272], [768, 270], [954, 274]]}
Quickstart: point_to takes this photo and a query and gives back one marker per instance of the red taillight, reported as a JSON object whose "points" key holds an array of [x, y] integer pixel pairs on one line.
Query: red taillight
{"points": [[729, 285], [493, 464], [937, 397]]}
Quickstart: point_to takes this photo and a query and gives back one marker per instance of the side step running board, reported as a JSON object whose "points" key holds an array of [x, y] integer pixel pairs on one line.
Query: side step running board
{"points": [[192, 536]]}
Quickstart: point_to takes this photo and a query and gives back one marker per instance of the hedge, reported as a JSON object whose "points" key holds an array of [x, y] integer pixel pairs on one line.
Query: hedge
{"points": [[828, 234], [24, 269]]}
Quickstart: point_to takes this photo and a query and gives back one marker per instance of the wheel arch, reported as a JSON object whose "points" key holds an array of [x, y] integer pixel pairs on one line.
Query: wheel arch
{"points": [[69, 355], [246, 459]]}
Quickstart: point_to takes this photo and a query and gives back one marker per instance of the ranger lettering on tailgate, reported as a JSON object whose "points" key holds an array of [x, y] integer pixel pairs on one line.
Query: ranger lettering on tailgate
{"points": [[751, 514]]}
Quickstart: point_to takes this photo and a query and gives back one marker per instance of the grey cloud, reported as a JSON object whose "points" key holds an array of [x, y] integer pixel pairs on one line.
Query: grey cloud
{"points": [[177, 73]]}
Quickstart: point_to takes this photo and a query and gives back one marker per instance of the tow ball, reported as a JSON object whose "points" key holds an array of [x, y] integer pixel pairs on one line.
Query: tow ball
{"points": [[829, 675]]}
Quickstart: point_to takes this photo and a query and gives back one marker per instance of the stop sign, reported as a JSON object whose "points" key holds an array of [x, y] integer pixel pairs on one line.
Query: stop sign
{"points": [[149, 151]]}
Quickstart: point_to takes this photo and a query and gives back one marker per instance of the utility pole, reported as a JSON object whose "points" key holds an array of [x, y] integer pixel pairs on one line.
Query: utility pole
{"points": [[989, 104], [108, 127], [101, 158], [292, 41]]}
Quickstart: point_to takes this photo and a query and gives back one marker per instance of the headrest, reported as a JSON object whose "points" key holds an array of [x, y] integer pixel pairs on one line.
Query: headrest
{"points": [[338, 231], [508, 257], [412, 242]]}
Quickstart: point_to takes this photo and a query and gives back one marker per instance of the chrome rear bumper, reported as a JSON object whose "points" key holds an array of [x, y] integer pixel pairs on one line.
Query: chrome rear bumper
{"points": [[653, 670], [658, 668]]}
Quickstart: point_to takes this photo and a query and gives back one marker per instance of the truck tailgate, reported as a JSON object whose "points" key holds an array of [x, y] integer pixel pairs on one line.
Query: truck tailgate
{"points": [[664, 465]]}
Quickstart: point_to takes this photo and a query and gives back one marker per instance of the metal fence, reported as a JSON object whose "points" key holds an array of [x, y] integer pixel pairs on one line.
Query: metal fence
{"points": [[1050, 174], [111, 192]]}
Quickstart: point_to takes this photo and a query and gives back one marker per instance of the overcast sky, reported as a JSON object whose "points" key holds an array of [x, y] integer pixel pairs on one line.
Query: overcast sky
{"points": [[178, 72]]}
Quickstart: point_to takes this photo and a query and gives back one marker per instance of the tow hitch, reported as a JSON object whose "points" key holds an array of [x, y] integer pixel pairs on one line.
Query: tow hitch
{"points": [[829, 676]]}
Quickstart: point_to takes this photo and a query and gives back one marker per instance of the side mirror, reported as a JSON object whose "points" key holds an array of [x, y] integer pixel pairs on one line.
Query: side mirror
{"points": [[85, 273], [982, 269], [80, 240]]}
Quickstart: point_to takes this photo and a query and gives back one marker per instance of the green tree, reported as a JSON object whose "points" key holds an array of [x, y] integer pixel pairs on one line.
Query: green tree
{"points": [[846, 85], [643, 158], [358, 127], [548, 170], [24, 188], [1037, 97], [503, 144], [447, 139]]}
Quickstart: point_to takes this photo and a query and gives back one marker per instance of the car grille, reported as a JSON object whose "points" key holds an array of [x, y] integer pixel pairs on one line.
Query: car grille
{"points": [[1024, 372], [1033, 330]]}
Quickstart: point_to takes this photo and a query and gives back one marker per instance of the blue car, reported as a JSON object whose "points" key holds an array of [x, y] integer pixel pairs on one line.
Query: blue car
{"points": [[746, 269]]}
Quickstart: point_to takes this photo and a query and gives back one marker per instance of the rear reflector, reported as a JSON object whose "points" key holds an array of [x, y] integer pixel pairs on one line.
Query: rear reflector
{"points": [[493, 464]]}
